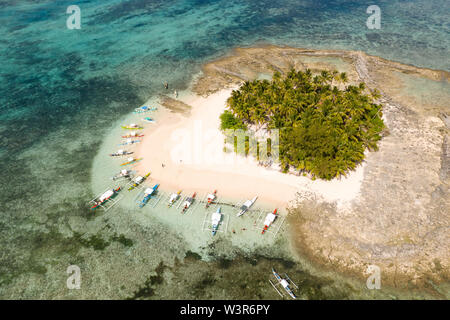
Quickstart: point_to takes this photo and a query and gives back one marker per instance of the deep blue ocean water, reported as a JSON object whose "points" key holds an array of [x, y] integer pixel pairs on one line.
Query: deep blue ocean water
{"points": [[61, 89]]}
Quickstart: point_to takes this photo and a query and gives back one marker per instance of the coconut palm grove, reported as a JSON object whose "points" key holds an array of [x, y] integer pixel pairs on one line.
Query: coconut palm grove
{"points": [[325, 124]]}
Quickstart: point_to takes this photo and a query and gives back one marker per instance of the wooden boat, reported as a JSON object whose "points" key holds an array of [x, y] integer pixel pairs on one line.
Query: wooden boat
{"points": [[109, 194], [216, 218], [187, 202], [133, 134], [138, 180], [144, 109], [131, 161], [132, 126], [148, 193], [270, 218], [173, 198], [121, 153], [210, 198], [247, 204]]}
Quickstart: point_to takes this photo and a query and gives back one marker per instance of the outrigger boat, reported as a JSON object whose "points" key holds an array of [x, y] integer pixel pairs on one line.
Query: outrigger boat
{"points": [[173, 198], [131, 160], [215, 219], [133, 134], [129, 141], [270, 218], [109, 194], [138, 180], [122, 174], [121, 153], [132, 126], [148, 194], [148, 119], [144, 109], [187, 203], [247, 204], [210, 198], [285, 283]]}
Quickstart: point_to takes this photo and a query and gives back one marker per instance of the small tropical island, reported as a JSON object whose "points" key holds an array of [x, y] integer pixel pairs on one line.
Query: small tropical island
{"points": [[324, 125]]}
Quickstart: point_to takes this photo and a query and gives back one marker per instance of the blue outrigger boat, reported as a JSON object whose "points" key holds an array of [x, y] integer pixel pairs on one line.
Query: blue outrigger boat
{"points": [[148, 193], [144, 109]]}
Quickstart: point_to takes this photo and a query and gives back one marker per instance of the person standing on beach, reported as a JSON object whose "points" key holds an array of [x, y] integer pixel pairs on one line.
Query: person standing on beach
{"points": [[176, 94], [166, 85]]}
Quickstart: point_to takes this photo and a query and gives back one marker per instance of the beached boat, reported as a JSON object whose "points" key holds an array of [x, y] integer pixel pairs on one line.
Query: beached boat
{"points": [[121, 153], [188, 201], [144, 109], [132, 126], [129, 142], [103, 198], [122, 174], [173, 198], [148, 193], [210, 198], [131, 160], [138, 180], [215, 220], [148, 119], [285, 283], [270, 218], [133, 134], [247, 204]]}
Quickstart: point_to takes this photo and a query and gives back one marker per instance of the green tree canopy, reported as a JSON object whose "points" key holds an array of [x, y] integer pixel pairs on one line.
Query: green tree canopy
{"points": [[324, 130]]}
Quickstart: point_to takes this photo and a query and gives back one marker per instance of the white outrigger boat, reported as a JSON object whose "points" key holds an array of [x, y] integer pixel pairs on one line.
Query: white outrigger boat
{"points": [[270, 218], [285, 283], [247, 204], [121, 153], [173, 198], [210, 198], [216, 218], [122, 174], [138, 181], [187, 203]]}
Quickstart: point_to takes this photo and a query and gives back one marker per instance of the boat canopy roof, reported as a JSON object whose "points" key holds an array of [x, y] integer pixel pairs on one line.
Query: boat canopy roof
{"points": [[149, 190], [120, 151], [139, 179], [130, 159], [124, 171], [284, 283], [106, 195]]}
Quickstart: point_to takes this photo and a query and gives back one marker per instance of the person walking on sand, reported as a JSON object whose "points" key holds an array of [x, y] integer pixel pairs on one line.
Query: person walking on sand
{"points": [[166, 85], [176, 94]]}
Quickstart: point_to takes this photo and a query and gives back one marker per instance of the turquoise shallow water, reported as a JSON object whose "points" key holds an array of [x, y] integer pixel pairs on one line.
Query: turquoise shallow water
{"points": [[62, 91]]}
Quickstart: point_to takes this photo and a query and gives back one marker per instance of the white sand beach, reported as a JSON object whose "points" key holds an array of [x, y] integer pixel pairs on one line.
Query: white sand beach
{"points": [[185, 152]]}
